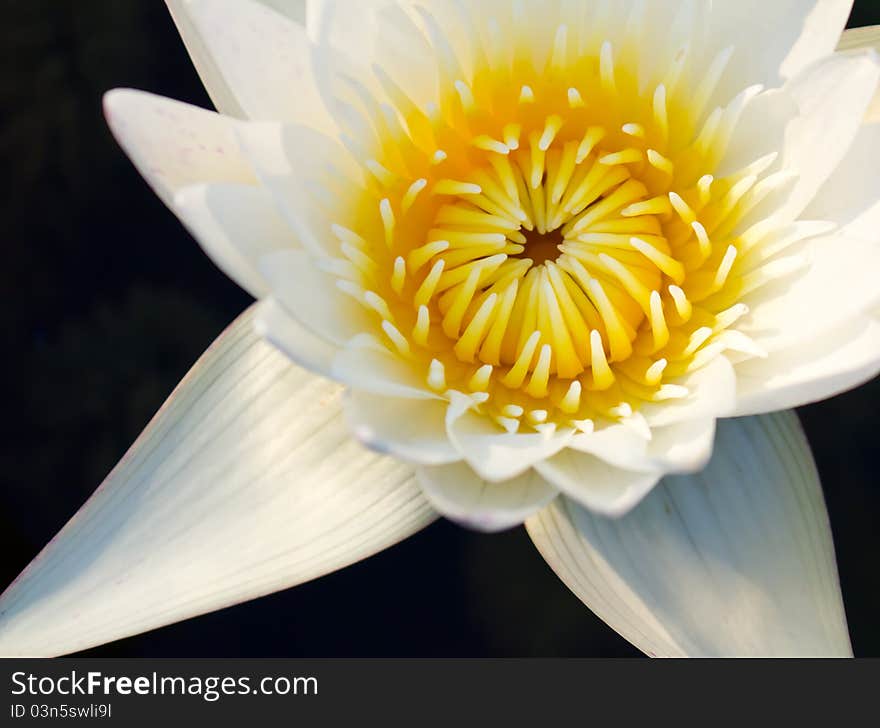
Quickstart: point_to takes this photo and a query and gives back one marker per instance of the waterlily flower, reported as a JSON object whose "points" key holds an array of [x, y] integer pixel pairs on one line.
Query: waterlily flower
{"points": [[548, 262]]}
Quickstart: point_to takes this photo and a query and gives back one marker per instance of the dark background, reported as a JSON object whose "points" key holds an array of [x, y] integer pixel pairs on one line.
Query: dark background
{"points": [[106, 302]]}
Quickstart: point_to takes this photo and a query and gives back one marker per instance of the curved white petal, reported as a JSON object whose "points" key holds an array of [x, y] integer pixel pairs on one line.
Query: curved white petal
{"points": [[245, 482], [776, 40], [461, 495], [310, 175], [496, 455], [410, 429], [311, 296], [841, 281], [173, 144], [617, 444], [218, 89], [254, 61], [236, 225], [603, 488], [293, 9], [711, 394], [366, 364], [815, 370], [286, 334], [682, 447], [832, 97], [735, 561], [856, 39], [811, 122], [612, 483]]}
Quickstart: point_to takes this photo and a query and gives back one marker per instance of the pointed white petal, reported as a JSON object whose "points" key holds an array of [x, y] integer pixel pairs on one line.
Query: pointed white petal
{"points": [[811, 122], [458, 493], [310, 295], [616, 444], [236, 225], [603, 488], [832, 97], [841, 281], [254, 61], [735, 561], [815, 370], [173, 144], [366, 364], [775, 40], [293, 9], [409, 429], [218, 89], [712, 394], [246, 482], [286, 334], [612, 484], [311, 176], [856, 39], [496, 455]]}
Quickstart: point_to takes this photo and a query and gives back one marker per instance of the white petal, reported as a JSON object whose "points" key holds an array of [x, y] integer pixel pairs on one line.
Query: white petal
{"points": [[712, 395], [236, 225], [293, 9], [254, 61], [246, 482], [616, 444], [409, 429], [841, 281], [815, 370], [611, 484], [173, 144], [603, 488], [494, 454], [681, 447], [856, 39], [312, 178], [286, 334], [366, 364], [775, 40], [736, 561], [459, 494], [356, 38], [312, 298], [832, 97], [811, 122]]}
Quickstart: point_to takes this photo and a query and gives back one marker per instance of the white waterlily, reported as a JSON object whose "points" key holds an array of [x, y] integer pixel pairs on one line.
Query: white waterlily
{"points": [[529, 253]]}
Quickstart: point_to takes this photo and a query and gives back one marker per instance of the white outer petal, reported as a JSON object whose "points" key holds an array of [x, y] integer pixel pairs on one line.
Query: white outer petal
{"points": [[245, 482], [855, 39], [496, 455], [285, 333], [236, 225], [611, 484], [736, 561], [812, 371], [840, 283], [712, 395], [461, 495], [776, 40], [409, 429], [310, 295], [832, 97], [254, 61], [173, 144], [311, 176], [603, 488]]}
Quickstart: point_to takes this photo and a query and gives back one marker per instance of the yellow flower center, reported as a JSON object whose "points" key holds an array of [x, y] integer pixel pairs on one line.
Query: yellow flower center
{"points": [[552, 239]]}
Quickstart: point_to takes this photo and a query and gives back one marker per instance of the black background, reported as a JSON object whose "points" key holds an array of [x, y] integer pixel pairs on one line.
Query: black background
{"points": [[106, 302]]}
